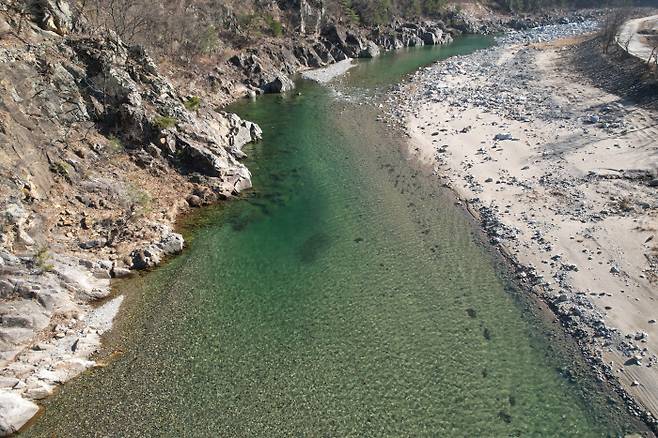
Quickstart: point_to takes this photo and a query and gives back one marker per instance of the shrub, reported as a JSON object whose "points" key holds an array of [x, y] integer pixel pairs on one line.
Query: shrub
{"points": [[349, 11], [209, 40], [165, 122], [192, 103], [275, 26], [114, 145], [59, 168], [42, 258], [139, 199]]}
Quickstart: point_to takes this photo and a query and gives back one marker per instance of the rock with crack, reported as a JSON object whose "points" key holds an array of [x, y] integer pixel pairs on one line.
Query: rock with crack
{"points": [[371, 51], [53, 15]]}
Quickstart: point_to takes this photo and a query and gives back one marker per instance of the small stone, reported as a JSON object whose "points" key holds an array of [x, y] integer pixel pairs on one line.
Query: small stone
{"points": [[194, 201], [503, 136], [592, 118]]}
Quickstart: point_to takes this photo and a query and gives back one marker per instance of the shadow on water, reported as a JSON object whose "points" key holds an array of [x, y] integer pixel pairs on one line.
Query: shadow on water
{"points": [[313, 247]]}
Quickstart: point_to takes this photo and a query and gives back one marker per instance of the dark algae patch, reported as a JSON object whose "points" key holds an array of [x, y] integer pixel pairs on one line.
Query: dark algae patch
{"points": [[343, 296]]}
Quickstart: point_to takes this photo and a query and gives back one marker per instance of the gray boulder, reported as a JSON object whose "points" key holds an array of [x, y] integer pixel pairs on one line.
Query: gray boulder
{"points": [[308, 56], [371, 51], [170, 244], [53, 15], [15, 411], [280, 84]]}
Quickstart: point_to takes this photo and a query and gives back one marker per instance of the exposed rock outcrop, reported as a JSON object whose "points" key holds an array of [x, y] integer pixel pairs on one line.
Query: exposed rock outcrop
{"points": [[53, 15], [311, 15], [170, 244], [268, 69]]}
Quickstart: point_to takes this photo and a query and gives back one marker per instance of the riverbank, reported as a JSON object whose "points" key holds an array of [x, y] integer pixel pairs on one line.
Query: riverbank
{"points": [[99, 154], [562, 176]]}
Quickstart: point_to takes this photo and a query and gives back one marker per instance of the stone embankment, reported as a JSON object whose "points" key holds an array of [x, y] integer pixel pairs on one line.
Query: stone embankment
{"points": [[562, 175]]}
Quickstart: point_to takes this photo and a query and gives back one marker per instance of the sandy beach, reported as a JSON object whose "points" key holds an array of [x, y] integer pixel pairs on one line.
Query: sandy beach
{"points": [[562, 175]]}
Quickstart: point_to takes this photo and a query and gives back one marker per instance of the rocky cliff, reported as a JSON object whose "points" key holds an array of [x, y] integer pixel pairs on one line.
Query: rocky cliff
{"points": [[98, 154]]}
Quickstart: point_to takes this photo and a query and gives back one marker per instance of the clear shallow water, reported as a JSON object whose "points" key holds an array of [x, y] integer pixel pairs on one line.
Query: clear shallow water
{"points": [[343, 296]]}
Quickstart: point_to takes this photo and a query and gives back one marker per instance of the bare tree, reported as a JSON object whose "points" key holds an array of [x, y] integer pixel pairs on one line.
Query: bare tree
{"points": [[613, 22]]}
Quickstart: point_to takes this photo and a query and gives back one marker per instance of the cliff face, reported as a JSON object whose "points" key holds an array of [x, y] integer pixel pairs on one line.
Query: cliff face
{"points": [[98, 154]]}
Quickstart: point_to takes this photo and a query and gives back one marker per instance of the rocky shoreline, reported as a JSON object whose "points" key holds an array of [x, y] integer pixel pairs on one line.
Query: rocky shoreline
{"points": [[99, 155], [270, 67], [558, 172]]}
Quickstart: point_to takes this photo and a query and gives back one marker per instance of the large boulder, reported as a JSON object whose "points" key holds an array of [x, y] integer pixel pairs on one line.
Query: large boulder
{"points": [[347, 41], [336, 35], [324, 53], [248, 62], [431, 38], [15, 411], [371, 51], [389, 41], [279, 84], [307, 56], [53, 15], [170, 244]]}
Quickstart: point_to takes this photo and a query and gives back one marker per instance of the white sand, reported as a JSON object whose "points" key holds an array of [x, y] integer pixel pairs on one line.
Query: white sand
{"points": [[326, 74]]}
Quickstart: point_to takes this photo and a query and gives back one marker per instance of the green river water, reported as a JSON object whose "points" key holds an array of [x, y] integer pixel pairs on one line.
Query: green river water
{"points": [[344, 295]]}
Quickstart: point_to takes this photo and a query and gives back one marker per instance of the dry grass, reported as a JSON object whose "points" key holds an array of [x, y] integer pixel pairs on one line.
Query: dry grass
{"points": [[564, 42]]}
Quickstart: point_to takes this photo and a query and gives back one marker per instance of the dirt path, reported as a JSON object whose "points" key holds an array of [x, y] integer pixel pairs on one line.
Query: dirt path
{"points": [[639, 37]]}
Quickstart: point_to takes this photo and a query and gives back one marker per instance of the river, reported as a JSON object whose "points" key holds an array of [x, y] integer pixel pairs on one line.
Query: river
{"points": [[345, 295]]}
